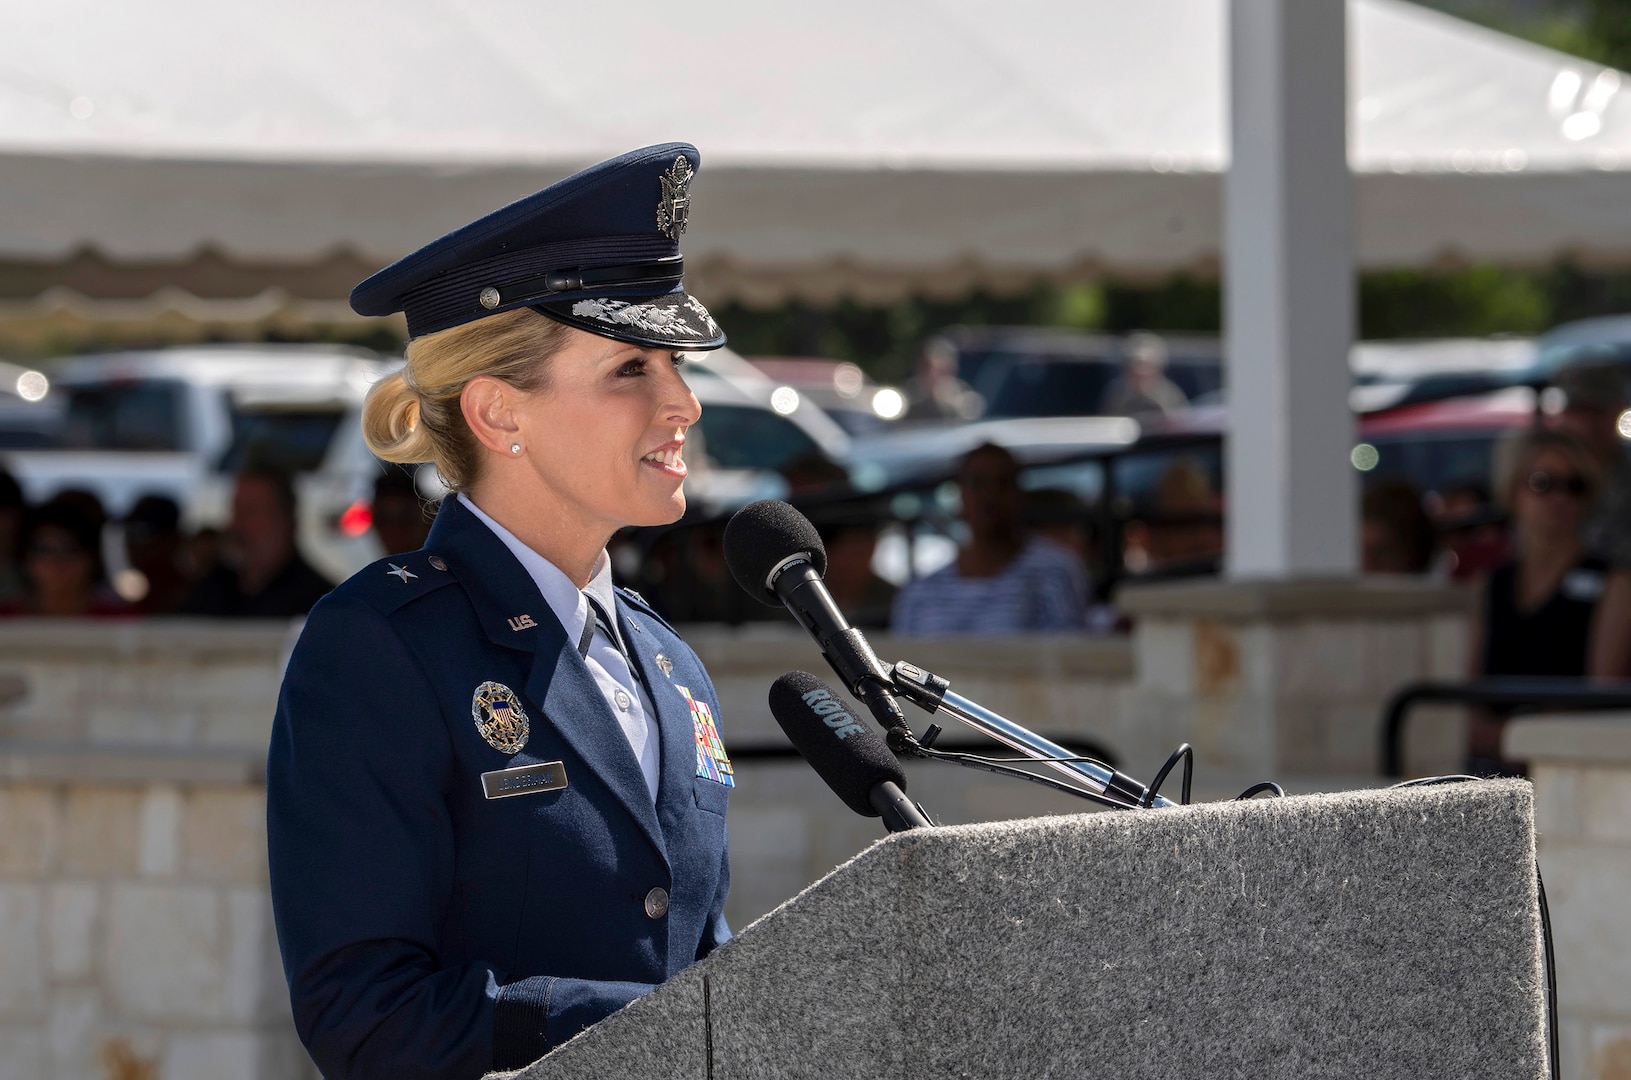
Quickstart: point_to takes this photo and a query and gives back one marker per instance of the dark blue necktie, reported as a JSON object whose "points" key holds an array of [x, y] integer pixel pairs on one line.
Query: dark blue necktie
{"points": [[601, 620]]}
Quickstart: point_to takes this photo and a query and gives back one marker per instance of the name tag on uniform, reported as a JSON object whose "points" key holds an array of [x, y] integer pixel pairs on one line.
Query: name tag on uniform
{"points": [[524, 780]]}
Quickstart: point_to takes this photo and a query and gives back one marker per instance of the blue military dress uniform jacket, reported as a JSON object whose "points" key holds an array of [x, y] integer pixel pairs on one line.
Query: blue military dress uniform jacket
{"points": [[427, 930]]}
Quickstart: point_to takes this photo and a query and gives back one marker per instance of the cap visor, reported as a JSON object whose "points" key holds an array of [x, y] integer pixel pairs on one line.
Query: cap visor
{"points": [[670, 321]]}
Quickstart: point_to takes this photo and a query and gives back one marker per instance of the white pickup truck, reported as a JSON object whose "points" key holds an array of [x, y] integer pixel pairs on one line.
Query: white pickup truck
{"points": [[181, 421]]}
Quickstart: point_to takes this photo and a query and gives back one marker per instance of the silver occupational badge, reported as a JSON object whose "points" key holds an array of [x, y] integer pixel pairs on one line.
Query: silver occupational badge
{"points": [[675, 205], [665, 665], [499, 717]]}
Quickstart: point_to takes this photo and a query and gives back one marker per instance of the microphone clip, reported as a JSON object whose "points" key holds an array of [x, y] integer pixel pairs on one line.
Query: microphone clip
{"points": [[923, 688]]}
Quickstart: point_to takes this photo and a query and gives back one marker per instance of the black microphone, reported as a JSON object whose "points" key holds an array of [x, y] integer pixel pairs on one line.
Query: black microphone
{"points": [[844, 752], [778, 557]]}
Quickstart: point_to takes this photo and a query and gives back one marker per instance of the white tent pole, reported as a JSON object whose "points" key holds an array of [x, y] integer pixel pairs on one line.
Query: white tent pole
{"points": [[1289, 293]]}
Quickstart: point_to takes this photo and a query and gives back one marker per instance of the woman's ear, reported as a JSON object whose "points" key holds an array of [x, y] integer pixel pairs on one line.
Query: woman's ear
{"points": [[488, 405]]}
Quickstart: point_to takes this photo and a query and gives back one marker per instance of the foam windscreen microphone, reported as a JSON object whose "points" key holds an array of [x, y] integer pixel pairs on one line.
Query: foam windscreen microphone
{"points": [[762, 539], [843, 751], [777, 556]]}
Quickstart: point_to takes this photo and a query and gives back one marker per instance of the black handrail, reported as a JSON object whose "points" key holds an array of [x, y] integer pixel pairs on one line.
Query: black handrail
{"points": [[1519, 694]]}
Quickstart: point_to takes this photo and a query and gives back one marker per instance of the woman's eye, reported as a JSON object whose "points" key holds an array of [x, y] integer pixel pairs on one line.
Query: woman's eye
{"points": [[633, 367]]}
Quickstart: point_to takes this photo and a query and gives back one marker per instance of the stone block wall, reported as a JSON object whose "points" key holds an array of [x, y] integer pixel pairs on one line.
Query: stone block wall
{"points": [[172, 682], [136, 938], [1581, 767], [1292, 677]]}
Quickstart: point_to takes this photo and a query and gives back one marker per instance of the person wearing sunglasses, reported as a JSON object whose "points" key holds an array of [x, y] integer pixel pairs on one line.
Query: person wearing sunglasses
{"points": [[1538, 607], [1593, 407]]}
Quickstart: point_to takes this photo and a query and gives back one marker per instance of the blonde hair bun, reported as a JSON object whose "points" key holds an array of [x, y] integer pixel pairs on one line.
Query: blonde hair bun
{"points": [[390, 423], [416, 415]]}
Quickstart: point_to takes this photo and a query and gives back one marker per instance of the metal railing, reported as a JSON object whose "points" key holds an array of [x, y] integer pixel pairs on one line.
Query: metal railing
{"points": [[1531, 694]]}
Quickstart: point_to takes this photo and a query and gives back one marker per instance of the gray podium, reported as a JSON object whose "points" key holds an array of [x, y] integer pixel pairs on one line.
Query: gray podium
{"points": [[1371, 934]]}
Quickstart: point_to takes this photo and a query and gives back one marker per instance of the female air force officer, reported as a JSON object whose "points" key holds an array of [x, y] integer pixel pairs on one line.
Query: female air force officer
{"points": [[496, 792]]}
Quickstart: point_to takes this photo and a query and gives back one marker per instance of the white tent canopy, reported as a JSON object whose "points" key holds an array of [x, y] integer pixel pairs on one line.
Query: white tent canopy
{"points": [[850, 148]]}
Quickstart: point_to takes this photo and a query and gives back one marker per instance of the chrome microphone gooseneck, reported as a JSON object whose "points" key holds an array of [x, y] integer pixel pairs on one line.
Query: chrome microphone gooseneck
{"points": [[933, 694]]}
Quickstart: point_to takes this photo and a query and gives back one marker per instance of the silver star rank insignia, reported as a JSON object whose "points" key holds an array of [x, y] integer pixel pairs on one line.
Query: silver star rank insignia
{"points": [[665, 665], [401, 573]]}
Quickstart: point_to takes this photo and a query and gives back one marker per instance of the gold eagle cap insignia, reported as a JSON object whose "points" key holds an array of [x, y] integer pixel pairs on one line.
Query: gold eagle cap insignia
{"points": [[500, 718], [674, 208]]}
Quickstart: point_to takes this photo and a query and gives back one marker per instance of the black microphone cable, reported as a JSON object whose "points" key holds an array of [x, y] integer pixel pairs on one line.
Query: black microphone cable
{"points": [[1006, 766]]}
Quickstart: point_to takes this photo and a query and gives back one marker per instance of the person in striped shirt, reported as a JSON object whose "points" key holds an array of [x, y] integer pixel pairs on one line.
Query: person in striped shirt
{"points": [[1002, 581]]}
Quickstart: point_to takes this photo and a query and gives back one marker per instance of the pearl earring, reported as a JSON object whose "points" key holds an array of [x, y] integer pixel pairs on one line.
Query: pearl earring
{"points": [[515, 448]]}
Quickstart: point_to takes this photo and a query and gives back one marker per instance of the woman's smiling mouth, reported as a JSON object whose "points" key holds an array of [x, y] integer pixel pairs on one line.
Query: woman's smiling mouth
{"points": [[666, 459]]}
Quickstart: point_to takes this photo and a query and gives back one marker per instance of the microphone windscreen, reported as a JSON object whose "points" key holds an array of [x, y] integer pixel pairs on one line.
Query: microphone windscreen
{"points": [[838, 746], [763, 534]]}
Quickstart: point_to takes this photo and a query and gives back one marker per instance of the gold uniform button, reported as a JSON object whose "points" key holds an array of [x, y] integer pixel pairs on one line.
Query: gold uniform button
{"points": [[657, 903]]}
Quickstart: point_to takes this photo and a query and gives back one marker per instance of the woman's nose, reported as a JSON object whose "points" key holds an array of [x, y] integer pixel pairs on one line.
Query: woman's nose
{"points": [[680, 403]]}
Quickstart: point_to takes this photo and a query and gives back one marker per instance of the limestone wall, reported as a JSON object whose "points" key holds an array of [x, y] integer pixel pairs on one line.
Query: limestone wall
{"points": [[1293, 676], [1582, 772], [135, 932], [173, 682]]}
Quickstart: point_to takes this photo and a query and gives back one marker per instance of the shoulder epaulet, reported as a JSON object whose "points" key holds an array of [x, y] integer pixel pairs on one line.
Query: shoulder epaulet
{"points": [[396, 580], [634, 599]]}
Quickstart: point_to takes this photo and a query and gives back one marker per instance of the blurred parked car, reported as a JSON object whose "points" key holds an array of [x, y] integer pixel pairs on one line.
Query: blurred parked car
{"points": [[179, 422], [1388, 374], [931, 453], [30, 415], [1440, 446], [842, 390], [750, 434], [1605, 340], [1035, 371]]}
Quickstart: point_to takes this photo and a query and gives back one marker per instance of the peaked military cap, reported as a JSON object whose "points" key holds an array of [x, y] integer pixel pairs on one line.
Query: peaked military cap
{"points": [[599, 251]]}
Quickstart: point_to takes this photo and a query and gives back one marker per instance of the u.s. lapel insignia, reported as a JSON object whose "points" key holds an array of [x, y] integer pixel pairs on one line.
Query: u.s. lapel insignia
{"points": [[499, 717], [712, 762], [522, 622], [675, 205], [665, 665]]}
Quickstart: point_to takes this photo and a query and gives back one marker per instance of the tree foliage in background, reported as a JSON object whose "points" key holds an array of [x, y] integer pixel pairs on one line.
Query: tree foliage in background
{"points": [[1597, 30], [1470, 302]]}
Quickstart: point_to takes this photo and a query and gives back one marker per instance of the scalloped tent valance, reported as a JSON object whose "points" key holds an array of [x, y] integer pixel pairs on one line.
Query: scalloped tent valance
{"points": [[849, 148]]}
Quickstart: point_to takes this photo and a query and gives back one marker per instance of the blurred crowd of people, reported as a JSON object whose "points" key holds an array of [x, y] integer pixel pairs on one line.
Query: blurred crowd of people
{"points": [[1547, 546], [66, 557], [1546, 542]]}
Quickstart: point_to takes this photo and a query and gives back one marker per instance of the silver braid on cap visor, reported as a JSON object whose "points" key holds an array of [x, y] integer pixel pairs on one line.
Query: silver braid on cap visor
{"points": [[686, 320]]}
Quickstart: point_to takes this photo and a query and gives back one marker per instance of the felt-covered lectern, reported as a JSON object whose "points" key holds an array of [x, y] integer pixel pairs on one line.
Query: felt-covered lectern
{"points": [[1375, 934]]}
